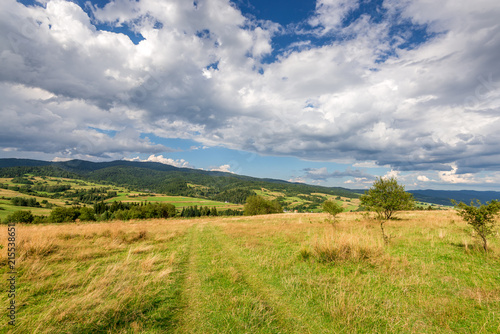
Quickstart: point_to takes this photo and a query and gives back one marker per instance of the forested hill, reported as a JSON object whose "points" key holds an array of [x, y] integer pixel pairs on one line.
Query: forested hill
{"points": [[165, 179]]}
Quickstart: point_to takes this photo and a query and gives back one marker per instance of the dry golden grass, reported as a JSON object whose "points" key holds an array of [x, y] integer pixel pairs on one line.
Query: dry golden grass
{"points": [[340, 247], [199, 275]]}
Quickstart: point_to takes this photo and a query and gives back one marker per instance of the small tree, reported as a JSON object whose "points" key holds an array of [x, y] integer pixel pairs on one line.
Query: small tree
{"points": [[257, 205], [333, 208], [480, 217], [20, 217], [386, 197]]}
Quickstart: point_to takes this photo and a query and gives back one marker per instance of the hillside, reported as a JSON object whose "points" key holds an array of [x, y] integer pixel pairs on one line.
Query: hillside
{"points": [[220, 186], [173, 181]]}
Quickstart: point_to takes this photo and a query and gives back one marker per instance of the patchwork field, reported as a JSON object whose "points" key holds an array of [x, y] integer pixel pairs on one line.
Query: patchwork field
{"points": [[311, 203], [283, 273], [122, 194]]}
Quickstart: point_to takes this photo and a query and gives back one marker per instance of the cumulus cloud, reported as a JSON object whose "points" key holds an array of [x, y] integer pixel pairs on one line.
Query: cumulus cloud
{"points": [[368, 92], [222, 168], [391, 174], [35, 120], [297, 180], [164, 160], [423, 178]]}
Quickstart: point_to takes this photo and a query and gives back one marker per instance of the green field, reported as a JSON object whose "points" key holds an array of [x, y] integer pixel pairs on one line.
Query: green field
{"points": [[293, 202], [349, 204], [283, 273], [123, 194]]}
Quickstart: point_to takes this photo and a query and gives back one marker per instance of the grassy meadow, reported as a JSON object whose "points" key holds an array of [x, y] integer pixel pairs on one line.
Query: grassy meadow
{"points": [[123, 195], [349, 204], [282, 273]]}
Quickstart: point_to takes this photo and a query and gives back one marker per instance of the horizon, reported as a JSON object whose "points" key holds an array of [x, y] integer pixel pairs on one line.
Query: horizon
{"points": [[328, 92]]}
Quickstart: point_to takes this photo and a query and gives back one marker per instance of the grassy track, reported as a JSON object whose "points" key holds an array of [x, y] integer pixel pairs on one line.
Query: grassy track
{"points": [[286, 273]]}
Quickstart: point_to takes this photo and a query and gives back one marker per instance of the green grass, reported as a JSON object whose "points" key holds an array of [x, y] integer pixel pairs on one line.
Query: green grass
{"points": [[295, 201], [8, 209], [285, 273], [123, 195], [177, 201]]}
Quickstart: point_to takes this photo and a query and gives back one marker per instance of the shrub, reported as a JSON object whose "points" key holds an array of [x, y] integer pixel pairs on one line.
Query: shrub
{"points": [[87, 214], [257, 205], [20, 217], [386, 197], [40, 220], [60, 215], [342, 248], [333, 208], [480, 217]]}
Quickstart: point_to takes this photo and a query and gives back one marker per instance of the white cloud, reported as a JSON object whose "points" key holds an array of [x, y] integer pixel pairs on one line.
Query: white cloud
{"points": [[36, 120], [164, 160], [392, 173], [423, 178], [359, 182], [330, 13], [297, 180], [223, 168], [453, 177], [59, 159]]}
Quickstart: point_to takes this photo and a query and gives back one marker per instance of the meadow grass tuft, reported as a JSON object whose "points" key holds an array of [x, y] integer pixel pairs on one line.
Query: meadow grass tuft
{"points": [[340, 248]]}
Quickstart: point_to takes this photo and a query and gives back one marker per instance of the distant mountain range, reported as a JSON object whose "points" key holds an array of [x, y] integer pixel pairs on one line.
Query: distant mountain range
{"points": [[168, 179], [444, 197]]}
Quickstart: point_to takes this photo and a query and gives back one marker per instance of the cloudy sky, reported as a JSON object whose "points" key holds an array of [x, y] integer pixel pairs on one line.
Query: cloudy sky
{"points": [[330, 92]]}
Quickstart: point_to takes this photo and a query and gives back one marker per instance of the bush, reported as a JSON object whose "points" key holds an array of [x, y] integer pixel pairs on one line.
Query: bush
{"points": [[87, 214], [257, 205], [41, 220], [333, 208], [22, 201], [60, 215], [20, 217], [480, 217], [341, 249], [386, 197]]}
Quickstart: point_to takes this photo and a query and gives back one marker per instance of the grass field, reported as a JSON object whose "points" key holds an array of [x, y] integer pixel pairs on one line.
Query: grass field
{"points": [[124, 195], [178, 201], [284, 273], [349, 204]]}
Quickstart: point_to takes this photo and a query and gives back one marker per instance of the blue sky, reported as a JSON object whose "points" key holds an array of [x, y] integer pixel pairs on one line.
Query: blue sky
{"points": [[329, 92]]}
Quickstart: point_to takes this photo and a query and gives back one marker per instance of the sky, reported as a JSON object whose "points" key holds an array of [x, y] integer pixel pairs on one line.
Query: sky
{"points": [[327, 92]]}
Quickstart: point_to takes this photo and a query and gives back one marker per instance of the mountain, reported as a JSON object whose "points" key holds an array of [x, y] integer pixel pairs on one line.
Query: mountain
{"points": [[165, 179], [444, 197], [12, 162]]}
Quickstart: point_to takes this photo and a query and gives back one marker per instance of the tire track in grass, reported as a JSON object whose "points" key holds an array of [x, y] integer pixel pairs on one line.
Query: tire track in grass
{"points": [[189, 287], [291, 319], [167, 310], [219, 299]]}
